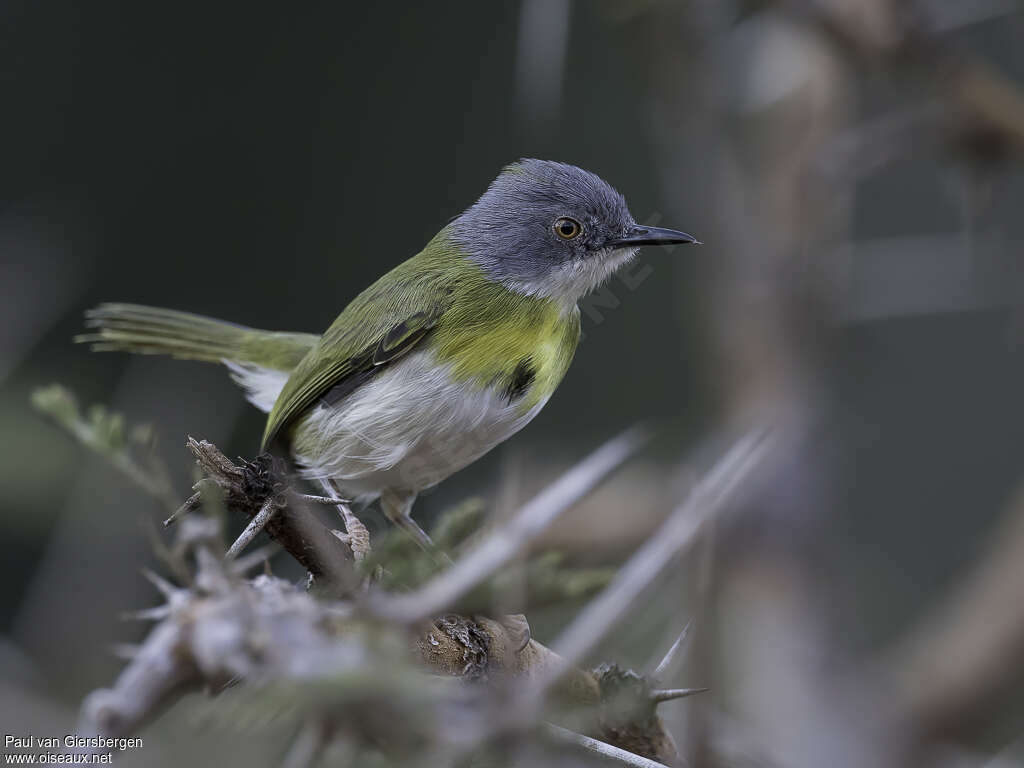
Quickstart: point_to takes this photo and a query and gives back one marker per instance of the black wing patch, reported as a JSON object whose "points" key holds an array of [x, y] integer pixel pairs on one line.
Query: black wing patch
{"points": [[402, 337], [520, 381], [395, 343], [347, 386]]}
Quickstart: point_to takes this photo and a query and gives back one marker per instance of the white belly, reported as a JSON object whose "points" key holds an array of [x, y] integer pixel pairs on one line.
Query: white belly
{"points": [[408, 428]]}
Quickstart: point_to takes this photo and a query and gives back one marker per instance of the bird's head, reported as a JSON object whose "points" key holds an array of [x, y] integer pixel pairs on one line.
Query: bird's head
{"points": [[553, 230]]}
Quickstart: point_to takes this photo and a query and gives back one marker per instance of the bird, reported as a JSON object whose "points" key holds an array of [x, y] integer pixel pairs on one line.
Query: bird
{"points": [[441, 359]]}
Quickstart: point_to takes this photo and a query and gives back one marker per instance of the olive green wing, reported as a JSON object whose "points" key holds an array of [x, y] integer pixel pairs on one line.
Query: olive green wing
{"points": [[383, 323], [326, 376]]}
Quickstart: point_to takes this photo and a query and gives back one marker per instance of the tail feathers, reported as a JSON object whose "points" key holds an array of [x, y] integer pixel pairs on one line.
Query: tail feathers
{"points": [[155, 331]]}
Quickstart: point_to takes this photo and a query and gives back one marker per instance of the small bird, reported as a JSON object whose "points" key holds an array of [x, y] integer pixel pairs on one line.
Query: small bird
{"points": [[437, 362]]}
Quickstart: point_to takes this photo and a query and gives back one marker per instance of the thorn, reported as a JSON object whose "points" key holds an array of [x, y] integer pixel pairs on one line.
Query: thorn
{"points": [[325, 500], [191, 505], [255, 526], [211, 578], [125, 651], [159, 613], [261, 556], [665, 665], [167, 589], [668, 694], [306, 747]]}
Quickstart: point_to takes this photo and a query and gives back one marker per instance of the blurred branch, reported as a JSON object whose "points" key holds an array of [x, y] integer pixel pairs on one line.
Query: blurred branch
{"points": [[609, 753], [868, 147], [893, 28], [886, 279], [708, 498], [307, 747], [505, 542], [267, 631], [222, 629], [664, 667], [990, 96], [959, 662]]}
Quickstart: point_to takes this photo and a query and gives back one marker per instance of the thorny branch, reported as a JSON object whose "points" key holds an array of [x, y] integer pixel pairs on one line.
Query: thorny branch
{"points": [[224, 631], [205, 635], [248, 489]]}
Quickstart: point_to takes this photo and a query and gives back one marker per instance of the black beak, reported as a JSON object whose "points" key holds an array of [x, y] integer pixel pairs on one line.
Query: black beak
{"points": [[639, 235]]}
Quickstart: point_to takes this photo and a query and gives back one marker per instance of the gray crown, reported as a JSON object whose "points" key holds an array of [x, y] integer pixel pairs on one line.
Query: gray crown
{"points": [[510, 230]]}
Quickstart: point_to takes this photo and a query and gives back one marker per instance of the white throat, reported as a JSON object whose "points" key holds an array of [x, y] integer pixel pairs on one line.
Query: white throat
{"points": [[571, 281]]}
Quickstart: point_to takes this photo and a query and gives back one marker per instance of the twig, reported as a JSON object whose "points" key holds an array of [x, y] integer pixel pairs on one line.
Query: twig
{"points": [[606, 751], [165, 587], [497, 549], [246, 563], [156, 613], [125, 651], [253, 528]]}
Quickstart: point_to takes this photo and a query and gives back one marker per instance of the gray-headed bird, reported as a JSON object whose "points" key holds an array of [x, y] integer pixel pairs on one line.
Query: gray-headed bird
{"points": [[437, 362]]}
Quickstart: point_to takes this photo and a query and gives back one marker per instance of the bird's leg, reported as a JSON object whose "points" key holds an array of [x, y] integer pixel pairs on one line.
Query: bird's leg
{"points": [[397, 507], [356, 535]]}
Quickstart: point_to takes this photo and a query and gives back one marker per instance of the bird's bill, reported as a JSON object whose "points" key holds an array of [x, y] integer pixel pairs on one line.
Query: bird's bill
{"points": [[639, 235]]}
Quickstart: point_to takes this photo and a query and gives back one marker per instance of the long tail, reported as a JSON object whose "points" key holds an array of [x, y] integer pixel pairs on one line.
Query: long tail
{"points": [[259, 360]]}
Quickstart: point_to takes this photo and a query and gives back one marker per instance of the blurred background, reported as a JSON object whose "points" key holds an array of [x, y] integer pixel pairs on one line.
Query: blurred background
{"points": [[853, 167]]}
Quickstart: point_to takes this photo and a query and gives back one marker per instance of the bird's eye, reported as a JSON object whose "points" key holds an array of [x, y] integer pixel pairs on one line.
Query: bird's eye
{"points": [[567, 228]]}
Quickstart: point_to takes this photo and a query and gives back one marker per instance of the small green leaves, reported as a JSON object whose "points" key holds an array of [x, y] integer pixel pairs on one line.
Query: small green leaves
{"points": [[58, 403], [129, 449], [100, 429]]}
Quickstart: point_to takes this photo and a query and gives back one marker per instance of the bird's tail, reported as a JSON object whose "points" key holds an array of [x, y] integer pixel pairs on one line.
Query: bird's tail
{"points": [[259, 361], [155, 331]]}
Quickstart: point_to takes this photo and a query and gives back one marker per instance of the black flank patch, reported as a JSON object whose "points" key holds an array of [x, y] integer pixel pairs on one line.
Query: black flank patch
{"points": [[521, 380]]}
